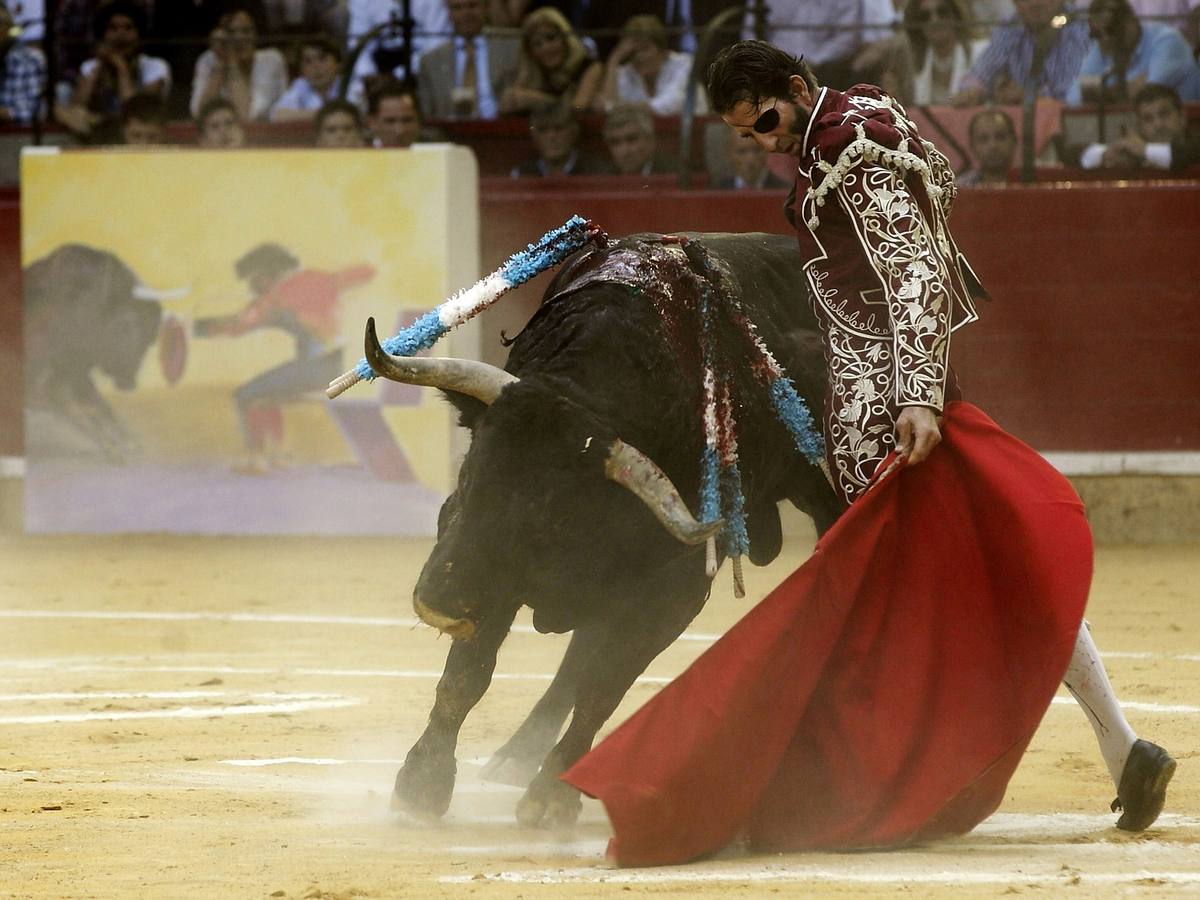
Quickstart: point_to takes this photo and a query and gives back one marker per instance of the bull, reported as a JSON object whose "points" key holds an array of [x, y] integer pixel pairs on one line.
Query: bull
{"points": [[85, 313], [604, 379]]}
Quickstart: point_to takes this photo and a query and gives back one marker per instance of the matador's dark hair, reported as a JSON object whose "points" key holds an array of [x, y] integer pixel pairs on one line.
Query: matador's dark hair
{"points": [[751, 71]]}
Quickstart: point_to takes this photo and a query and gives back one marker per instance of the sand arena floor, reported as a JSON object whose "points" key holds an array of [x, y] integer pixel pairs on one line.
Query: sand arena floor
{"points": [[188, 717]]}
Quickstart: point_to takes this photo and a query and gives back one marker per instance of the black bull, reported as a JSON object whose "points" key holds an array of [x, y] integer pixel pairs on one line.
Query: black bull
{"points": [[534, 521]]}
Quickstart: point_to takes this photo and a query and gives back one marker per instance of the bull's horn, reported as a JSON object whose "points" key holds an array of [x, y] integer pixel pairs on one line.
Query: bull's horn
{"points": [[464, 376], [145, 292], [632, 469]]}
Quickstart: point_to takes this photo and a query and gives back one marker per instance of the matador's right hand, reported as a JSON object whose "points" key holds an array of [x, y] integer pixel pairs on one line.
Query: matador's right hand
{"points": [[918, 431]]}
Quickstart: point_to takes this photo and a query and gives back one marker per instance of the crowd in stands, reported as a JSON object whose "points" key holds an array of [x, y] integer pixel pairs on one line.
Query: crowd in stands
{"points": [[123, 69]]}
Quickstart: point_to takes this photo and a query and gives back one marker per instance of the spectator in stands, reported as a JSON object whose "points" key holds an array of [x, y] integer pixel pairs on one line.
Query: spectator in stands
{"points": [[1125, 54], [382, 56], [1044, 42], [22, 75], [29, 19], [117, 71], [144, 121], [1170, 12], [832, 35], [629, 135], [318, 83], [219, 125], [465, 77], [339, 124], [234, 68], [750, 170], [73, 22], [927, 61], [642, 69], [552, 66], [180, 31], [393, 115], [993, 147], [555, 133], [1161, 140]]}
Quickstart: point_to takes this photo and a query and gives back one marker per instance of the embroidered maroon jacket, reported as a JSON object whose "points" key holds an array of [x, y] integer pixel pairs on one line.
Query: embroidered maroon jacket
{"points": [[887, 282]]}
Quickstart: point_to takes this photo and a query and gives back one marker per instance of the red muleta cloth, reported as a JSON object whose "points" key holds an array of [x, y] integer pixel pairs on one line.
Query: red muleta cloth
{"points": [[885, 691]]}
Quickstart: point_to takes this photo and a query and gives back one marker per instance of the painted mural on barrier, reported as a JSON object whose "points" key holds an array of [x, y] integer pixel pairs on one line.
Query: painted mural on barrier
{"points": [[184, 312]]}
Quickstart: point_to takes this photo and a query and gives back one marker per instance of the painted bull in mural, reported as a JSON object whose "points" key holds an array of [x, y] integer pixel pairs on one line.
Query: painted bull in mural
{"points": [[85, 312], [602, 367]]}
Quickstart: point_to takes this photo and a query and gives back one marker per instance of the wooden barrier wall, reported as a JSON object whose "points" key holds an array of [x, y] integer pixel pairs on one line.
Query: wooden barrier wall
{"points": [[1092, 342]]}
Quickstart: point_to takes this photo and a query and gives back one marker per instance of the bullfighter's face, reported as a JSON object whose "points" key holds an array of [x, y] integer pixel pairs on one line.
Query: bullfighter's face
{"points": [[777, 124]]}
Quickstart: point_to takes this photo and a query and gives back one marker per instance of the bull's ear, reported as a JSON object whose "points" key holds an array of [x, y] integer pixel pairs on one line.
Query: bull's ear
{"points": [[469, 409]]}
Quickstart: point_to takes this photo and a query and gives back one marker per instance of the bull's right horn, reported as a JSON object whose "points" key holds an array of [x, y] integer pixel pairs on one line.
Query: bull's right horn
{"points": [[464, 376], [632, 469]]}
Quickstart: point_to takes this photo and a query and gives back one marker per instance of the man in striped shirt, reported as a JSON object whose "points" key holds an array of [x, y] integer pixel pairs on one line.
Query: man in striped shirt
{"points": [[22, 75], [1046, 40]]}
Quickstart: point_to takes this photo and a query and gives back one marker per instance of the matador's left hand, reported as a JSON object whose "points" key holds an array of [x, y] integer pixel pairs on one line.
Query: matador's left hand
{"points": [[918, 431]]}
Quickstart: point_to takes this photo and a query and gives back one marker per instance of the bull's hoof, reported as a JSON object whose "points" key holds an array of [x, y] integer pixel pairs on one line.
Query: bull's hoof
{"points": [[510, 770], [423, 788], [556, 807]]}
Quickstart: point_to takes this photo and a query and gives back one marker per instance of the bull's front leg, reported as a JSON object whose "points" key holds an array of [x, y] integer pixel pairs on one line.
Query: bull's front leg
{"points": [[425, 783], [518, 761], [626, 649]]}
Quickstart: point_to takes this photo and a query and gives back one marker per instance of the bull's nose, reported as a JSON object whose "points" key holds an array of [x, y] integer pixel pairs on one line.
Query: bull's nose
{"points": [[459, 629]]}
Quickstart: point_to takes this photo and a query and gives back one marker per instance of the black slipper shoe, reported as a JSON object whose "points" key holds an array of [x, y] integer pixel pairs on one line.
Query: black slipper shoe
{"points": [[1143, 787]]}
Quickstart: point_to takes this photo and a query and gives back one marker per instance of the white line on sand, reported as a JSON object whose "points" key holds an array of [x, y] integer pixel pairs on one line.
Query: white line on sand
{"points": [[159, 695], [374, 621], [188, 712], [64, 665], [69, 664], [1141, 706], [1013, 830], [267, 618], [803, 873], [309, 761]]}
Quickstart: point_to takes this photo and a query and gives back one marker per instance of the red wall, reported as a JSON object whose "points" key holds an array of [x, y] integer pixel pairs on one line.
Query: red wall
{"points": [[1092, 343]]}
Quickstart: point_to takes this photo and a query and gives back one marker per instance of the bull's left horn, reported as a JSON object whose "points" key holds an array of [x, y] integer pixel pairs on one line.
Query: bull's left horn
{"points": [[464, 376], [632, 469]]}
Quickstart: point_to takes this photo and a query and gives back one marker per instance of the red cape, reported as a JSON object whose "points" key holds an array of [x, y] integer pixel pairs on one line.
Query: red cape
{"points": [[882, 694]]}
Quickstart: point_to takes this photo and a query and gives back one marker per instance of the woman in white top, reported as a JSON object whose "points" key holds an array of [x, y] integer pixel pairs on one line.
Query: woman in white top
{"points": [[641, 69], [251, 79], [933, 52], [117, 71]]}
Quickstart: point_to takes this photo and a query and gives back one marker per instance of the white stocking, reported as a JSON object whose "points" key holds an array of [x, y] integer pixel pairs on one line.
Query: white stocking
{"points": [[1088, 683]]}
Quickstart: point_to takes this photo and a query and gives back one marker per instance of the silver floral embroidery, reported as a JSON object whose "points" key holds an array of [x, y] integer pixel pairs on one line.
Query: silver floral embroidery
{"points": [[858, 424], [904, 254]]}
